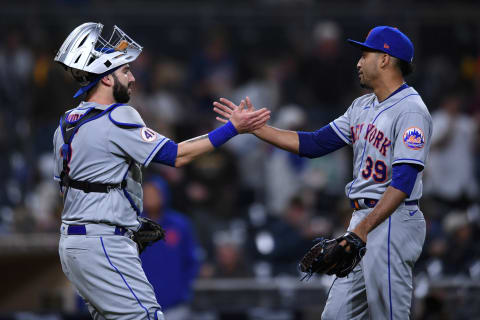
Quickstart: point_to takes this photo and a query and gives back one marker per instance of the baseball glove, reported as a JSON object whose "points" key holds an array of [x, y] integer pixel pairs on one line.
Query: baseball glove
{"points": [[330, 257], [149, 232]]}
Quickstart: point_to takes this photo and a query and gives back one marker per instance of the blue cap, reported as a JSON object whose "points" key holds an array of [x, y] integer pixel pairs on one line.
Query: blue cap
{"points": [[389, 40]]}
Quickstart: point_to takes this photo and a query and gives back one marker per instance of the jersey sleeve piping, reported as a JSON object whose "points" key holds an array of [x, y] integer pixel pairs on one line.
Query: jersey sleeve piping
{"points": [[340, 133], [159, 144], [408, 160]]}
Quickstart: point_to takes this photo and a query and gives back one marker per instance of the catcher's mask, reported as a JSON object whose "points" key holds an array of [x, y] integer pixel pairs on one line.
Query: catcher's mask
{"points": [[89, 57]]}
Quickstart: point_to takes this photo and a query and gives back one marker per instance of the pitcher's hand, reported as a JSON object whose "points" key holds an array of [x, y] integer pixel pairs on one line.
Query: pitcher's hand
{"points": [[244, 119]]}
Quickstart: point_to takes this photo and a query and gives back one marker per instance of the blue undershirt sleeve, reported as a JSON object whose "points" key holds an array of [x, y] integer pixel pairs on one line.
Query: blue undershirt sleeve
{"points": [[167, 154], [319, 143], [404, 176]]}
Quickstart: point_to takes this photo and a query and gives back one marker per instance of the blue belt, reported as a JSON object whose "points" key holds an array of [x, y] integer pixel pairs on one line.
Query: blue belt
{"points": [[80, 229], [370, 203]]}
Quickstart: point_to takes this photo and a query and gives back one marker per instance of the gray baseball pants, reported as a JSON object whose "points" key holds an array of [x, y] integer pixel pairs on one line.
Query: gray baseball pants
{"points": [[107, 272], [381, 285]]}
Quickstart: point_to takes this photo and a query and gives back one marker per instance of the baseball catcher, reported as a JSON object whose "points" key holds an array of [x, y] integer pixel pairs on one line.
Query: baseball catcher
{"points": [[101, 181], [337, 256]]}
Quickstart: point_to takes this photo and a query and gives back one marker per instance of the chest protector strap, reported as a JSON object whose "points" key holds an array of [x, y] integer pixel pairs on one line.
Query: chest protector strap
{"points": [[69, 125]]}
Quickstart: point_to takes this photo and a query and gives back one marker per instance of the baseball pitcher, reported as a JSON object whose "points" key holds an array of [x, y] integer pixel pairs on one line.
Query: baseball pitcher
{"points": [[389, 131]]}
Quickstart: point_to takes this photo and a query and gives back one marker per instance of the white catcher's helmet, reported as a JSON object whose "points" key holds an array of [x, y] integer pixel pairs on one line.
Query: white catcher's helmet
{"points": [[85, 52]]}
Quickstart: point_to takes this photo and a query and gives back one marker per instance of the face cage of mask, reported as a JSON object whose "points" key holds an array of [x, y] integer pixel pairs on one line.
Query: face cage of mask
{"points": [[118, 41]]}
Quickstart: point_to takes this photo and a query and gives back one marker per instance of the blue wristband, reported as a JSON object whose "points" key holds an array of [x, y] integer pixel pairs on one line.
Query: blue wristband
{"points": [[222, 134]]}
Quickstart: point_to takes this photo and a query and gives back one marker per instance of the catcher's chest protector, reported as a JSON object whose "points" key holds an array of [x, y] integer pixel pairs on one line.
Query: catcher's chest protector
{"points": [[70, 123]]}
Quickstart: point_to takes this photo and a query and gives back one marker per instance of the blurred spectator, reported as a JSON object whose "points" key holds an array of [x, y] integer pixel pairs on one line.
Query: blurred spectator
{"points": [[170, 265], [324, 70], [293, 235], [451, 251], [263, 86], [326, 177], [450, 174], [461, 251], [16, 64], [437, 253], [165, 103], [230, 260], [250, 154], [434, 307], [263, 89], [45, 199], [284, 171], [212, 186], [439, 76], [213, 70]]}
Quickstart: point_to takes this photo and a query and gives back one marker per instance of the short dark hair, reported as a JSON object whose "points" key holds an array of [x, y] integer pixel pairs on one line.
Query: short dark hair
{"points": [[405, 67]]}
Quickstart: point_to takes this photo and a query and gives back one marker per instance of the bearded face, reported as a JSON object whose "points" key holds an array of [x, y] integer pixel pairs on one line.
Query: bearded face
{"points": [[367, 68], [121, 92]]}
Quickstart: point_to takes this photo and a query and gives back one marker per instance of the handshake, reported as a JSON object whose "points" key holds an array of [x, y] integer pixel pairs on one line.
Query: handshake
{"points": [[244, 117]]}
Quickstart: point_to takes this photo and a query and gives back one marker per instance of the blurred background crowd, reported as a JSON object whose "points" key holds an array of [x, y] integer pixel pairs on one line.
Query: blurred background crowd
{"points": [[251, 210]]}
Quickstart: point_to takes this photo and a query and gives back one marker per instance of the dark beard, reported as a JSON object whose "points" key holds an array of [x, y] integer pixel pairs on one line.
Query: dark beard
{"points": [[120, 92], [365, 86]]}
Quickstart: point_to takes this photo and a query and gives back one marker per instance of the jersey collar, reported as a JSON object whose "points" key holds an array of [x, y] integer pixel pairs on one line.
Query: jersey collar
{"points": [[402, 87], [95, 105]]}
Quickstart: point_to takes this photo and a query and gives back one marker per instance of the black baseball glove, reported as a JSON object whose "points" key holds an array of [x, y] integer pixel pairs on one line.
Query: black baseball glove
{"points": [[330, 257], [149, 232]]}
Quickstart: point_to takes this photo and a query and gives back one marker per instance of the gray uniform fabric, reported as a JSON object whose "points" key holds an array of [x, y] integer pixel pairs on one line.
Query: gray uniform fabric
{"points": [[104, 267], [107, 273], [398, 130], [381, 286], [378, 131], [102, 152]]}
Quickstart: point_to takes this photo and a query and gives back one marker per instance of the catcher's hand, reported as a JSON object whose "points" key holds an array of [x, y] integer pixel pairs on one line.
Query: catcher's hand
{"points": [[149, 232], [332, 257], [244, 119]]}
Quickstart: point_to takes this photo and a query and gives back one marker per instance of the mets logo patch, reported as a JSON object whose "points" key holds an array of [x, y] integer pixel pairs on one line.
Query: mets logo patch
{"points": [[414, 138], [148, 134]]}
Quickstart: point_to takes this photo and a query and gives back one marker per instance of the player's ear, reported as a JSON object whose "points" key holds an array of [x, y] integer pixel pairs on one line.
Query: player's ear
{"points": [[108, 80], [384, 60]]}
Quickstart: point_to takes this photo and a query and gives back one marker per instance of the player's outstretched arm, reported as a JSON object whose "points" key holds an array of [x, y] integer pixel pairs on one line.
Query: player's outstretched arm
{"points": [[284, 139], [241, 121]]}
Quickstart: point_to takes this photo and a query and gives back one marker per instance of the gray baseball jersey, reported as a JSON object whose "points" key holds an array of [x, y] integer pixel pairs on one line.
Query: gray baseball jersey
{"points": [[396, 130], [102, 150], [102, 261]]}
